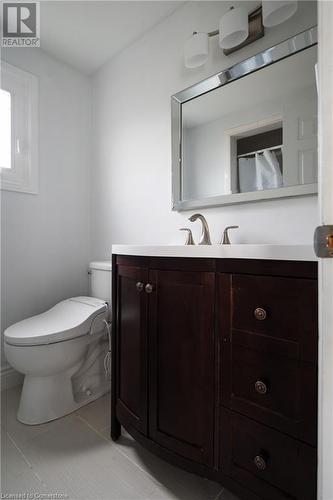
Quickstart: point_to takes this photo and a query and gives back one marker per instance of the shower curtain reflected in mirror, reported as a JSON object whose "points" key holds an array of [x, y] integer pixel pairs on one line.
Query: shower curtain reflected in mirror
{"points": [[259, 171]]}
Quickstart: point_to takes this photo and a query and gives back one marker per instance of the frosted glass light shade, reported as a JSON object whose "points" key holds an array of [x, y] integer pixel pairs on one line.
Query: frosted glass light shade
{"points": [[275, 12], [196, 50], [234, 28]]}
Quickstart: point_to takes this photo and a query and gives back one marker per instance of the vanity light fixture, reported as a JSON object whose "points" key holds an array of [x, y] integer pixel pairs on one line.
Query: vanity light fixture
{"points": [[234, 28], [238, 28], [196, 50], [277, 12]]}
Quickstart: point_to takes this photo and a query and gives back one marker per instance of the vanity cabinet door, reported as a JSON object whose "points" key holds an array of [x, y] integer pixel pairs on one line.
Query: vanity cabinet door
{"points": [[131, 341], [181, 334]]}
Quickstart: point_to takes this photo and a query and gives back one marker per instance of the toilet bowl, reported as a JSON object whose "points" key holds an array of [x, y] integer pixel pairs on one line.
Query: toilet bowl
{"points": [[61, 353]]}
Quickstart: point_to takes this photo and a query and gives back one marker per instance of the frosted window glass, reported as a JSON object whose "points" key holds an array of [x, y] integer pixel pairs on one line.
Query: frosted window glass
{"points": [[5, 129]]}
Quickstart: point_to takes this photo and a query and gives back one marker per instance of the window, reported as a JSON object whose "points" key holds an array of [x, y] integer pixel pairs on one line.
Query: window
{"points": [[5, 129], [18, 130]]}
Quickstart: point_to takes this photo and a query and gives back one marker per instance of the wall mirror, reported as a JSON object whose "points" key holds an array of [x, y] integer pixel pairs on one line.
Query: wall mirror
{"points": [[248, 133]]}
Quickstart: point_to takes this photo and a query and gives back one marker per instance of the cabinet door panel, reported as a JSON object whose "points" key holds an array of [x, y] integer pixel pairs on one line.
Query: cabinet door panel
{"points": [[181, 332], [131, 334]]}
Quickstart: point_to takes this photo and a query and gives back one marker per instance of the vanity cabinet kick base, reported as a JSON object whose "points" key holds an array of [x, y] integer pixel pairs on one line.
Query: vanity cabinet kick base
{"points": [[215, 368]]}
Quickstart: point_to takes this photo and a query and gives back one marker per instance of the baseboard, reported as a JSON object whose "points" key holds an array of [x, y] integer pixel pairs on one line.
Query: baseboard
{"points": [[10, 378]]}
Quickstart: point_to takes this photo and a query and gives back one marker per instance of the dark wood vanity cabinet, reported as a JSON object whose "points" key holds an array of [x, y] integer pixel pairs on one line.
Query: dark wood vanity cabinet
{"points": [[215, 368]]}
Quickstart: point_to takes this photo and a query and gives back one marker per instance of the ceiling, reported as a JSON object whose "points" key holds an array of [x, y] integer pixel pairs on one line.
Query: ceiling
{"points": [[85, 34]]}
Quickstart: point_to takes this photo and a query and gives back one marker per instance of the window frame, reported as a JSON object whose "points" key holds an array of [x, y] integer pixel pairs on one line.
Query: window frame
{"points": [[23, 176]]}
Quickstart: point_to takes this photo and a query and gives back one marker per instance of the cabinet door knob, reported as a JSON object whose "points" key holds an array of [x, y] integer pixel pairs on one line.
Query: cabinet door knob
{"points": [[149, 288], [139, 286], [260, 462], [260, 314], [260, 387]]}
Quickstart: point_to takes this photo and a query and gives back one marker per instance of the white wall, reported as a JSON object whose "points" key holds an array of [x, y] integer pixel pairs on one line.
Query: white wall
{"points": [[46, 237], [131, 123]]}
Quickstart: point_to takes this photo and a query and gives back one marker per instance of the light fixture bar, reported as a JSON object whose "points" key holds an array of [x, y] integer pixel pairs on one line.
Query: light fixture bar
{"points": [[237, 29], [213, 33]]}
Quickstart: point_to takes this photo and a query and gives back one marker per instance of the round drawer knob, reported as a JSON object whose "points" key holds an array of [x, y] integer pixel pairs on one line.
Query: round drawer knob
{"points": [[149, 288], [260, 387], [139, 286], [260, 462], [260, 314]]}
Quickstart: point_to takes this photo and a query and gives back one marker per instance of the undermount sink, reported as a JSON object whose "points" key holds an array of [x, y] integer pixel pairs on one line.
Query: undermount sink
{"points": [[241, 251]]}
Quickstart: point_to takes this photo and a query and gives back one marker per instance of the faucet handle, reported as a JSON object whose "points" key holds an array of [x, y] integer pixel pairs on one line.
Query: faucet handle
{"points": [[225, 237], [189, 238]]}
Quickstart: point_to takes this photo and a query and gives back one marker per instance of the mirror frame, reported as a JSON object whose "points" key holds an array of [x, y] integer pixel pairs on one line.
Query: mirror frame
{"points": [[261, 60]]}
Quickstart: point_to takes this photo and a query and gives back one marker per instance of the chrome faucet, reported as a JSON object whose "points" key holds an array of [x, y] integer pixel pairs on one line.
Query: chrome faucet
{"points": [[225, 237], [205, 237]]}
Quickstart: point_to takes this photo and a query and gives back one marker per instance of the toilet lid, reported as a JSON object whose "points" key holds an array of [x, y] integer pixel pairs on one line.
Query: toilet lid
{"points": [[68, 319]]}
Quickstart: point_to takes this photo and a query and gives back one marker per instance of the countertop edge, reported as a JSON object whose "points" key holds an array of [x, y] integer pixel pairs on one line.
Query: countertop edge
{"points": [[263, 252]]}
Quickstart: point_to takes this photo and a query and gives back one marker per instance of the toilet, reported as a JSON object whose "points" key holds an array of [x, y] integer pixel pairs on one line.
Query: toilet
{"points": [[61, 352]]}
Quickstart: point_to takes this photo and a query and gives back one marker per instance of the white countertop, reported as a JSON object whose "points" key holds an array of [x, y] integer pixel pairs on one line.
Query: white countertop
{"points": [[270, 252]]}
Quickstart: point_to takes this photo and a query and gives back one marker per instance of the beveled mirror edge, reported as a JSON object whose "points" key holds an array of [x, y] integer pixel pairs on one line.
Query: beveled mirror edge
{"points": [[273, 54], [176, 143], [249, 197]]}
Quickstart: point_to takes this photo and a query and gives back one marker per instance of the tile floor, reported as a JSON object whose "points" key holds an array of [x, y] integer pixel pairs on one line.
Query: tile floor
{"points": [[73, 458]]}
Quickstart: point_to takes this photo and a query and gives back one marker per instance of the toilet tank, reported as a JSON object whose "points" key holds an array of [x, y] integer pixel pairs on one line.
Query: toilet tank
{"points": [[100, 280]]}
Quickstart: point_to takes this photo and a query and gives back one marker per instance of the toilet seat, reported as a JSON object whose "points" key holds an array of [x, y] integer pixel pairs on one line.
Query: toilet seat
{"points": [[67, 320]]}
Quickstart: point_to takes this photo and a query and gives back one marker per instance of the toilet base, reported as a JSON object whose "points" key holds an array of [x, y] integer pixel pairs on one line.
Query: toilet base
{"points": [[59, 377], [44, 399]]}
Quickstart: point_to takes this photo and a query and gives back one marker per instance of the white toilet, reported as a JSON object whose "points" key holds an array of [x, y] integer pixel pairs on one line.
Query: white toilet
{"points": [[61, 352]]}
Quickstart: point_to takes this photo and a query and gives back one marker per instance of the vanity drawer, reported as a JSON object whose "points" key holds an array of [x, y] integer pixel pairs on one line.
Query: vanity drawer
{"points": [[273, 465], [277, 307], [267, 383]]}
